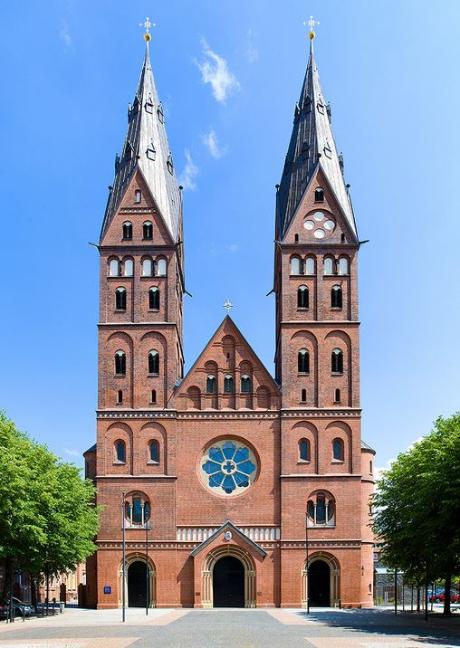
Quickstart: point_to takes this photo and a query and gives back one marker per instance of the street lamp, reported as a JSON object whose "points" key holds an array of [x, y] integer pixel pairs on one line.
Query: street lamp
{"points": [[307, 561], [147, 570]]}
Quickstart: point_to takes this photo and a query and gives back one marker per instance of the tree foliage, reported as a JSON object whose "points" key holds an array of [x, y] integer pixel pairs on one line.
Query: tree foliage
{"points": [[47, 515], [417, 506]]}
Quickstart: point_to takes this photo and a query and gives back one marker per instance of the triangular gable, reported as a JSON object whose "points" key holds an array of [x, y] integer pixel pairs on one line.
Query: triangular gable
{"points": [[228, 526]]}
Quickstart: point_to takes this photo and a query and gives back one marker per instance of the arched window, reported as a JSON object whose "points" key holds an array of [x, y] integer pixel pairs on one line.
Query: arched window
{"points": [[319, 194], [309, 266], [211, 385], [120, 363], [127, 230], [337, 361], [137, 510], [161, 268], [304, 450], [329, 266], [119, 397], [120, 451], [128, 267], [153, 396], [114, 268], [245, 384], [147, 231], [296, 238], [228, 384], [302, 297], [154, 362], [154, 451], [120, 299], [320, 510], [343, 266], [296, 266], [337, 450], [303, 361], [137, 196], [336, 297], [336, 395], [303, 395], [147, 268], [154, 298]]}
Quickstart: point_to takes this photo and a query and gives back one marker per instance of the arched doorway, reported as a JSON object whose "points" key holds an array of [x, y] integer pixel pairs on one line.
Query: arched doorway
{"points": [[319, 584], [228, 582], [137, 588]]}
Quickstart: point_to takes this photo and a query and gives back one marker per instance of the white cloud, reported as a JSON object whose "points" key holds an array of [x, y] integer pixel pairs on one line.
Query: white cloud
{"points": [[252, 53], [188, 175], [64, 33], [214, 70], [72, 453], [233, 247], [212, 144]]}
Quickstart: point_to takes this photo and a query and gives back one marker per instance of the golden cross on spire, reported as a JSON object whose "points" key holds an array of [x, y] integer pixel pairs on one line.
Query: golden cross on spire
{"points": [[311, 25], [147, 26]]}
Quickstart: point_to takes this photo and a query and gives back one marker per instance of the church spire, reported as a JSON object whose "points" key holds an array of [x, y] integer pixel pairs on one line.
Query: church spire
{"points": [[311, 146], [146, 149]]}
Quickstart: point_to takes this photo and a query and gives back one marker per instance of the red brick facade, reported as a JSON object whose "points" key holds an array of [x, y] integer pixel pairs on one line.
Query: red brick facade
{"points": [[290, 429]]}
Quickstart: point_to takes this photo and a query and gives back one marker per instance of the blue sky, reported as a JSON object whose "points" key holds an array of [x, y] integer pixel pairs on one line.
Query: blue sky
{"points": [[389, 69]]}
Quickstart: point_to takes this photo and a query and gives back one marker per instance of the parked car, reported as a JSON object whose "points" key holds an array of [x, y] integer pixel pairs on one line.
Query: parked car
{"points": [[19, 608], [439, 597]]}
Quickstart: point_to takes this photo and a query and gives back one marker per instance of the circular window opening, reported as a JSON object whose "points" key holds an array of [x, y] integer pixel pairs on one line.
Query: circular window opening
{"points": [[228, 467]]}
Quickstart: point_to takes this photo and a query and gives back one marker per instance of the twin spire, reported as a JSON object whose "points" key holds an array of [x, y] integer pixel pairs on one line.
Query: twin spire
{"points": [[311, 146], [146, 149]]}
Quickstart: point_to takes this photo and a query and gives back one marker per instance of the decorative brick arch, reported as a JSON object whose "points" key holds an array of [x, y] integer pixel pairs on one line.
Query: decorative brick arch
{"points": [[249, 574], [334, 567], [130, 559]]}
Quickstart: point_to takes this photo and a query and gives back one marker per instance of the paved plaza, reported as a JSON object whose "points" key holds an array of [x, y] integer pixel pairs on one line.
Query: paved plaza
{"points": [[232, 628]]}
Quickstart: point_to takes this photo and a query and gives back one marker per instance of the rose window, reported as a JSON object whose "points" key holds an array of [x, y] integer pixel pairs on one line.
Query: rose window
{"points": [[320, 224], [228, 467]]}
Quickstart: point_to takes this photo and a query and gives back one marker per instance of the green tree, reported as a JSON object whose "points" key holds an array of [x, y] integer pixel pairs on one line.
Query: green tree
{"points": [[417, 507]]}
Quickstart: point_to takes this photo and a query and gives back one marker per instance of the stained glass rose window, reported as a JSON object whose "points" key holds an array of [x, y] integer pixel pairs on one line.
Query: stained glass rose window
{"points": [[228, 467]]}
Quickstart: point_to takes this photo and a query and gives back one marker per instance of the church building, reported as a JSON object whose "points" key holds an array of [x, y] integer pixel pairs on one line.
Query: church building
{"points": [[226, 486]]}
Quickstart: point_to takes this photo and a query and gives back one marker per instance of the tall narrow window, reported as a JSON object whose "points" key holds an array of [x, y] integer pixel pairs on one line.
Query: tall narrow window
{"points": [[137, 196], [319, 195], [154, 298], [120, 363], [329, 266], [296, 266], [120, 299], [336, 297], [211, 385], [154, 362], [337, 361], [147, 268], [120, 451], [337, 450], [119, 397], [127, 231], [153, 396], [228, 385], [128, 267], [302, 297], [147, 231], [309, 266], [245, 384], [303, 395], [161, 268], [337, 396], [343, 266], [303, 361], [114, 268], [304, 450], [154, 448]]}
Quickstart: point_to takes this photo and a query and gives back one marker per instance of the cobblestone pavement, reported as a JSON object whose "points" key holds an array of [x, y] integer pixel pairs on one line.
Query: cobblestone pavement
{"points": [[231, 629]]}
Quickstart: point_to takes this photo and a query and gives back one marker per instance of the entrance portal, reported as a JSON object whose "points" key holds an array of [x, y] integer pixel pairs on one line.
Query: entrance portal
{"points": [[319, 584], [228, 582], [137, 584]]}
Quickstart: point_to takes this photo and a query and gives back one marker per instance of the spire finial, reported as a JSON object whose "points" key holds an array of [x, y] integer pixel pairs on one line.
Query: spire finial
{"points": [[311, 25], [228, 306], [147, 26]]}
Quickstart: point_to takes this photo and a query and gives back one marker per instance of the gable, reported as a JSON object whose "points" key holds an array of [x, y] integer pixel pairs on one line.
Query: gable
{"points": [[227, 355]]}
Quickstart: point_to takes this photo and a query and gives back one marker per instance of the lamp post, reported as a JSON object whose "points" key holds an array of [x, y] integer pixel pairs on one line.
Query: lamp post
{"points": [[123, 559], [307, 561], [147, 570]]}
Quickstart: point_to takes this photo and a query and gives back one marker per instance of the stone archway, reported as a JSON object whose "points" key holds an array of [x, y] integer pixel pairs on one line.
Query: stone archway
{"points": [[322, 566], [135, 586], [248, 576]]}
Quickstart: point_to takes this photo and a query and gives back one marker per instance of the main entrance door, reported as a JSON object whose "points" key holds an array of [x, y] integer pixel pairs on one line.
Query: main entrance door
{"points": [[228, 582], [136, 584], [319, 583]]}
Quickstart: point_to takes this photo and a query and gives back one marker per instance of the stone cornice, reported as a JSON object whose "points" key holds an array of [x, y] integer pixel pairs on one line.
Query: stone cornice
{"points": [[122, 325], [268, 544], [321, 412], [125, 477], [227, 415], [319, 323]]}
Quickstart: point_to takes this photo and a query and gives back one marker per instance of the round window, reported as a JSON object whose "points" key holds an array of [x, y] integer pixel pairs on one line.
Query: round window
{"points": [[228, 467]]}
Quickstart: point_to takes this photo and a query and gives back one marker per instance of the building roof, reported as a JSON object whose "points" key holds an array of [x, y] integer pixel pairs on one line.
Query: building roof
{"points": [[146, 148], [311, 146], [92, 449], [228, 526], [366, 446]]}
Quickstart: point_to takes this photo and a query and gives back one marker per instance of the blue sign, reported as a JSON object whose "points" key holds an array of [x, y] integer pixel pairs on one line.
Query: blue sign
{"points": [[107, 589]]}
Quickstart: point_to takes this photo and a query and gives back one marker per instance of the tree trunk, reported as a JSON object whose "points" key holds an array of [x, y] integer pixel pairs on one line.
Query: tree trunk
{"points": [[447, 586], [418, 598], [33, 591]]}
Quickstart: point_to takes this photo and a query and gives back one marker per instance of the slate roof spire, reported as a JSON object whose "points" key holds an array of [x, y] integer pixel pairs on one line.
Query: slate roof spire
{"points": [[146, 148], [311, 145]]}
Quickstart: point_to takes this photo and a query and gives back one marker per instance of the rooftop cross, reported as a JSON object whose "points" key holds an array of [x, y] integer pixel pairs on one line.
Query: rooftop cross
{"points": [[311, 24], [147, 25], [228, 306]]}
